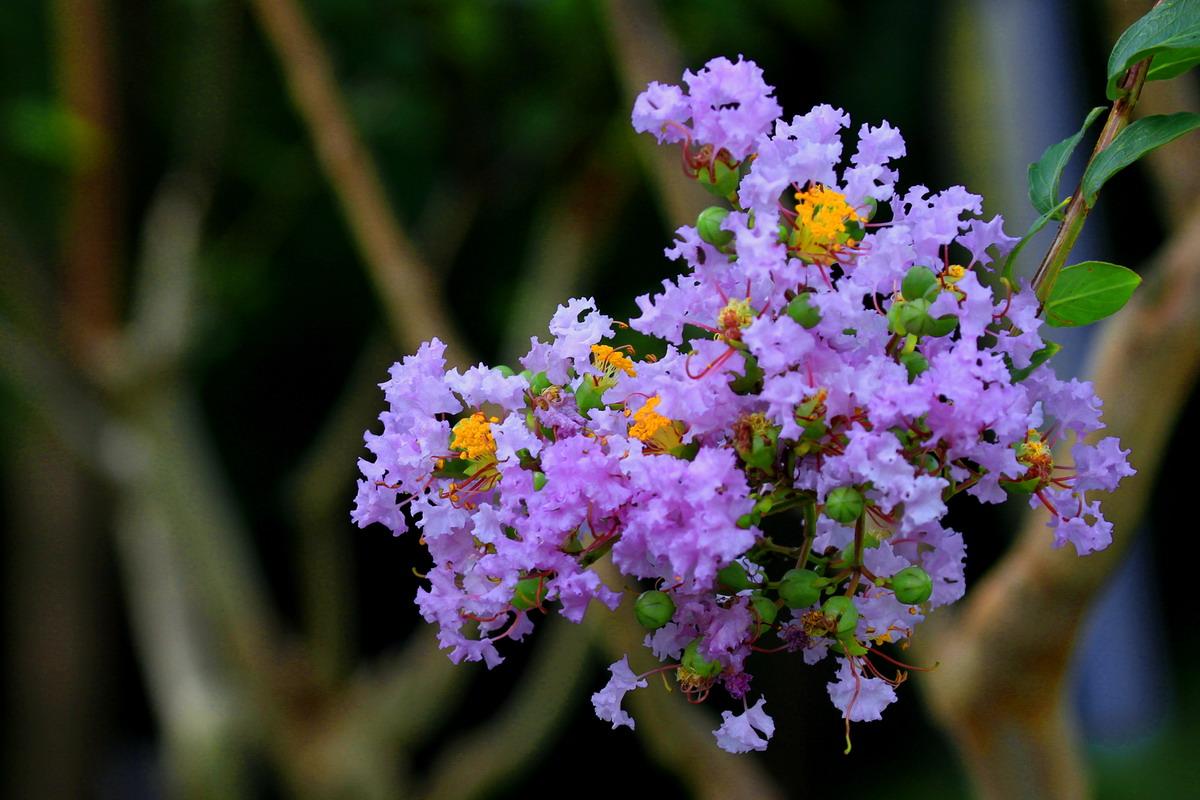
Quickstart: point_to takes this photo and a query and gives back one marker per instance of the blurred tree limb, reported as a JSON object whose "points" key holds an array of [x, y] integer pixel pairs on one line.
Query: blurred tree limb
{"points": [[1005, 650], [643, 51], [410, 294]]}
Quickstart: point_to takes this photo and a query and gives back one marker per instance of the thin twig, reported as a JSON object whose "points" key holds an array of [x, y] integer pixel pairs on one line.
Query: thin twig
{"points": [[519, 731], [410, 295]]}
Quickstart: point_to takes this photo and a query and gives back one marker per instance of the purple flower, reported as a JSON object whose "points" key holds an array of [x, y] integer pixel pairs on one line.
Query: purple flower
{"points": [[747, 731], [859, 698], [728, 105], [607, 701]]}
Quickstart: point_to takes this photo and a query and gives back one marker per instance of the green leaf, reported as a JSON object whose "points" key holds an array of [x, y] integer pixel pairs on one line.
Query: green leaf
{"points": [[1036, 360], [1045, 174], [1087, 292], [1034, 229], [1170, 32], [1132, 143]]}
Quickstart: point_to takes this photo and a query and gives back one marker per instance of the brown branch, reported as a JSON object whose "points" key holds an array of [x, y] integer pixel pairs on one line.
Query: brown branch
{"points": [[92, 228], [643, 51], [408, 291], [1004, 656], [520, 730], [573, 222]]}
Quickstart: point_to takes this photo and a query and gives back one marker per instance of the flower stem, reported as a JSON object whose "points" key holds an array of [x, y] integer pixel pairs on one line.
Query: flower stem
{"points": [[1077, 211]]}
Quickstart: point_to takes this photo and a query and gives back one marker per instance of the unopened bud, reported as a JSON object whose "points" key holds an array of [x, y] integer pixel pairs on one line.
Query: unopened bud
{"points": [[708, 225], [800, 588], [912, 585], [654, 609], [844, 504], [734, 577]]}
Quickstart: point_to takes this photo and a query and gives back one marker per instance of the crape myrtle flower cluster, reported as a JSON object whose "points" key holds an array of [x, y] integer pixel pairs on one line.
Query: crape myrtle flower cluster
{"points": [[841, 360]]}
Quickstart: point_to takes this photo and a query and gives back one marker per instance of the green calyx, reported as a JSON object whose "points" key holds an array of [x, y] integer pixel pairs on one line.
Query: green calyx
{"points": [[915, 363], [912, 317], [589, 395], [697, 664], [538, 382], [800, 588], [912, 585], [654, 609], [750, 381], [803, 311], [529, 593], [723, 181], [844, 504], [920, 283], [765, 611], [841, 609]]}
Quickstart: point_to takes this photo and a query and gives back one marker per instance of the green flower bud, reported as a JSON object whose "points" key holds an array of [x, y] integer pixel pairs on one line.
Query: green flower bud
{"points": [[695, 663], [800, 588], [708, 225], [915, 363], [803, 312], [505, 370], [844, 504], [766, 610], [654, 609], [734, 577], [539, 481], [919, 284], [588, 396], [842, 609], [912, 585], [530, 593]]}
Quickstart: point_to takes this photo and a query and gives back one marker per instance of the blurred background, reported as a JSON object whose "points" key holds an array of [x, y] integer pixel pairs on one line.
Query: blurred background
{"points": [[221, 222]]}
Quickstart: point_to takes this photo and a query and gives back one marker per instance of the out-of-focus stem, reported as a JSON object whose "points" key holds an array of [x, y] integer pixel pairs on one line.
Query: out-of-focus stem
{"points": [[1068, 232], [518, 732], [1004, 655], [410, 295], [643, 51], [92, 225]]}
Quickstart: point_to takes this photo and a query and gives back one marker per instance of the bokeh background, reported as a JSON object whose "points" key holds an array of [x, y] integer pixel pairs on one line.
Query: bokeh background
{"points": [[221, 221]]}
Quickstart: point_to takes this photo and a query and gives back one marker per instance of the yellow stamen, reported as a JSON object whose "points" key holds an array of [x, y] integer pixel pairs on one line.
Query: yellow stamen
{"points": [[473, 436], [736, 314], [823, 214], [611, 360], [647, 421]]}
